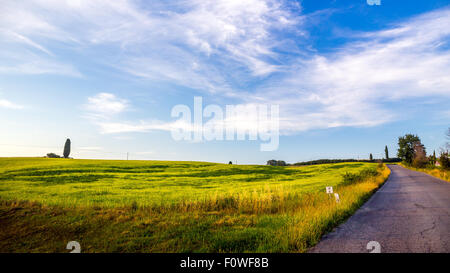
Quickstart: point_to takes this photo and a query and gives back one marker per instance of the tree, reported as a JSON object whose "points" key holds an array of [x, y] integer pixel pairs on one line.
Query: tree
{"points": [[444, 160], [420, 155], [406, 147], [371, 157], [230, 163], [432, 159], [67, 149], [386, 152]]}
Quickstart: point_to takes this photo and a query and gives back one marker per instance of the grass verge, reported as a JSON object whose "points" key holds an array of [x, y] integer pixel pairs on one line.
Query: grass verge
{"points": [[436, 172]]}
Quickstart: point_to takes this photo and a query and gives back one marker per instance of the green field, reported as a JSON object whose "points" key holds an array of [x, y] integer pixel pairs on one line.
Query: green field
{"points": [[160, 206]]}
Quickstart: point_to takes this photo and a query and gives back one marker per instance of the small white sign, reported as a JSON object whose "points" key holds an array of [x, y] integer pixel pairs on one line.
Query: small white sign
{"points": [[337, 198], [329, 190]]}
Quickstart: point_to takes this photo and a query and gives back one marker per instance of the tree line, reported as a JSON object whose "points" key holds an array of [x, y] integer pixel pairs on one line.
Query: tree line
{"points": [[410, 151]]}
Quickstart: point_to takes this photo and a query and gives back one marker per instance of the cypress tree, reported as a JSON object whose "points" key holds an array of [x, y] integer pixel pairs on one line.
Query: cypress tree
{"points": [[67, 149], [386, 151], [371, 157]]}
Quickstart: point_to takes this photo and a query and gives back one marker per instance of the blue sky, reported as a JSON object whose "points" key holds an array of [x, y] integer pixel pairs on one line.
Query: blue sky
{"points": [[349, 78]]}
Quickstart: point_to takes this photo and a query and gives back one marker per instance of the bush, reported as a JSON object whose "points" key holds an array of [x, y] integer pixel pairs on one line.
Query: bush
{"points": [[53, 155], [380, 164], [352, 178], [419, 162]]}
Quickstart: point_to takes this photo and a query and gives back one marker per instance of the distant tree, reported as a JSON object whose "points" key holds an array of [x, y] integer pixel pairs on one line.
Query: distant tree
{"points": [[274, 162], [281, 163], [230, 163], [386, 152], [371, 157], [406, 147], [53, 155], [67, 149]]}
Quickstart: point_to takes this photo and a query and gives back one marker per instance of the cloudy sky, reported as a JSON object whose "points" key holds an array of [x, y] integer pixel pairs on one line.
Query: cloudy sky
{"points": [[349, 78]]}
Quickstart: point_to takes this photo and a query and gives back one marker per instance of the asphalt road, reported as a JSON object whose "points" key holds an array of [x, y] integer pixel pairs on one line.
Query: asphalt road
{"points": [[409, 214]]}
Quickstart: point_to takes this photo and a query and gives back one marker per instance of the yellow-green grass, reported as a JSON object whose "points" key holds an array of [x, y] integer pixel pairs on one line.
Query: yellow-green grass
{"points": [[157, 206], [436, 172]]}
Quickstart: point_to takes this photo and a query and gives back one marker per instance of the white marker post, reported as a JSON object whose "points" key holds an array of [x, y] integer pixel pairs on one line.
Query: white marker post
{"points": [[330, 191], [337, 198]]}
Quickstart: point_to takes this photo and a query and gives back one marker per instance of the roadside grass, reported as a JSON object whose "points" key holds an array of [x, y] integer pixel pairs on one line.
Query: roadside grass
{"points": [[436, 172], [230, 209]]}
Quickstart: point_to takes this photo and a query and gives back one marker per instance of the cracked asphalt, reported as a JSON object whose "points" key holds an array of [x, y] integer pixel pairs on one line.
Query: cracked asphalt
{"points": [[410, 213]]}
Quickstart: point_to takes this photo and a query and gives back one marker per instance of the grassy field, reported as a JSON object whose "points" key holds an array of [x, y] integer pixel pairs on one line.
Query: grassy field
{"points": [[159, 206]]}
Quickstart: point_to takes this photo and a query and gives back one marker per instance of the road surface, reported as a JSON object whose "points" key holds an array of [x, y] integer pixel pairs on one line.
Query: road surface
{"points": [[410, 213]]}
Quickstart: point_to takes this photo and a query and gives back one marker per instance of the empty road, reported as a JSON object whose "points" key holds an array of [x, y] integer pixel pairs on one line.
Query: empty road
{"points": [[409, 214]]}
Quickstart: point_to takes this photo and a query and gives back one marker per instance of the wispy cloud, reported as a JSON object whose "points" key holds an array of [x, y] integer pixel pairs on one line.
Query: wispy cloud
{"points": [[141, 127], [93, 149], [21, 38], [157, 39], [9, 105], [354, 85], [30, 64]]}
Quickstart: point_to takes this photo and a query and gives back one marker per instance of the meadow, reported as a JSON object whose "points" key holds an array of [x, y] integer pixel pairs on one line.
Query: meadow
{"points": [[160, 206]]}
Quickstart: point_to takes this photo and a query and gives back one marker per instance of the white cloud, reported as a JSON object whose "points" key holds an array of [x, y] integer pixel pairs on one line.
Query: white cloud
{"points": [[9, 105], [105, 105], [354, 85]]}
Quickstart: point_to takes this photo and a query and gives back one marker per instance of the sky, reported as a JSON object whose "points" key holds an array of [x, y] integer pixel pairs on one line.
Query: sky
{"points": [[348, 77]]}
